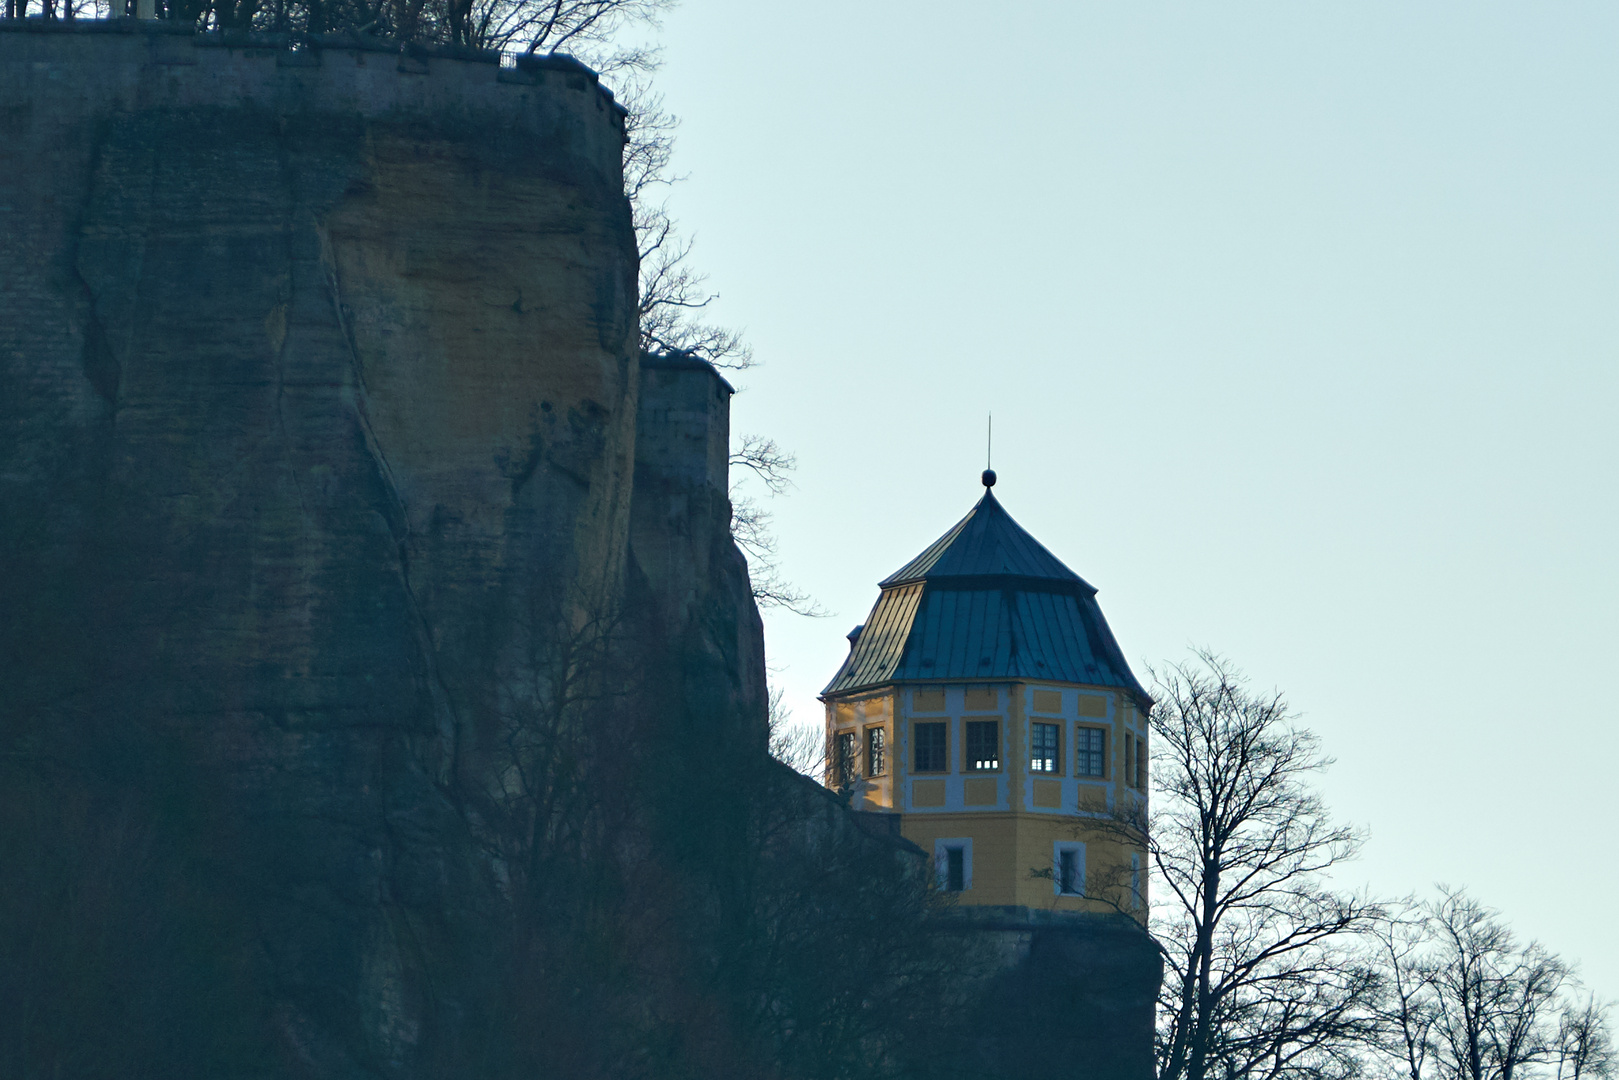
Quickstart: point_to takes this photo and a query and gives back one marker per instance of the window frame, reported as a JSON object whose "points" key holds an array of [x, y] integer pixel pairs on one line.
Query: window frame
{"points": [[845, 757], [916, 747], [968, 764], [1055, 756], [941, 862], [1085, 774], [1076, 849], [876, 750], [1135, 762]]}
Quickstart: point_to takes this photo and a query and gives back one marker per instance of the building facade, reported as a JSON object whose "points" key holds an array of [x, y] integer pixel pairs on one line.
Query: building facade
{"points": [[986, 702]]}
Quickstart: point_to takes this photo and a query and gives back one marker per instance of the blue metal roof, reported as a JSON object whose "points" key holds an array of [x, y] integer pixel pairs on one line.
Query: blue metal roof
{"points": [[985, 543], [986, 601]]}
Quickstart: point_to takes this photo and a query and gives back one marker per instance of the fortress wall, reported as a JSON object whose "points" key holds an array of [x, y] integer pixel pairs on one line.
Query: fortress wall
{"points": [[686, 570], [126, 64], [1068, 994]]}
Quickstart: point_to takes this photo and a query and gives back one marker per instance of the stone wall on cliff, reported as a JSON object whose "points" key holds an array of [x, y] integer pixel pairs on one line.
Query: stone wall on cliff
{"points": [[686, 570]]}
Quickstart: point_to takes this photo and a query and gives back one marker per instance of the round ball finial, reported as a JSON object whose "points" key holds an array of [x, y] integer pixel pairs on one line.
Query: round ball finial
{"points": [[989, 478]]}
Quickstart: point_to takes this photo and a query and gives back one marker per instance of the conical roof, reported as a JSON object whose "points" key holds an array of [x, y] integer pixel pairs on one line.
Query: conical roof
{"points": [[985, 543], [985, 601]]}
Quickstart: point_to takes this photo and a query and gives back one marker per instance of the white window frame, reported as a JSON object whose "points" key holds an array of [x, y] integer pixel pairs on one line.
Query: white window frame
{"points": [[881, 731], [1084, 728], [1057, 849], [941, 861], [1056, 754]]}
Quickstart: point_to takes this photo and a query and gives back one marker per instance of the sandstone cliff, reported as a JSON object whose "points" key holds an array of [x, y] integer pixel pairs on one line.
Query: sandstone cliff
{"points": [[319, 386]]}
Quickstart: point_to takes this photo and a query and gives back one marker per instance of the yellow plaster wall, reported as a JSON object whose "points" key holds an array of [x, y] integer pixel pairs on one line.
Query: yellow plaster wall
{"points": [[1011, 845], [1012, 852], [857, 715], [994, 838]]}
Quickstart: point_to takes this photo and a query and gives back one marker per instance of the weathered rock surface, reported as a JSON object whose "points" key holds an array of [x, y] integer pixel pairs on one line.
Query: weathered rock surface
{"points": [[318, 400]]}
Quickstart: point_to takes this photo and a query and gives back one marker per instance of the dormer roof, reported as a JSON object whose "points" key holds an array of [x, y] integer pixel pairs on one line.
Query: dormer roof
{"points": [[986, 601]]}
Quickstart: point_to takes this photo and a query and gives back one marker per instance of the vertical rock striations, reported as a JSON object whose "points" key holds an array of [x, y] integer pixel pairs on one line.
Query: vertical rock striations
{"points": [[318, 399]]}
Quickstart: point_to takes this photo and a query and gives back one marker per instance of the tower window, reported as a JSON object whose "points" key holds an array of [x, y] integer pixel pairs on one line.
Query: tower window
{"points": [[1135, 762], [953, 863], [1043, 754], [845, 755], [955, 869], [1068, 869], [876, 751], [930, 748], [1092, 752], [984, 745], [1067, 872]]}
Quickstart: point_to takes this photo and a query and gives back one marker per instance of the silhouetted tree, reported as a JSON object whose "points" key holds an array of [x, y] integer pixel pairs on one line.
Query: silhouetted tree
{"points": [[1585, 1041], [1463, 999], [1262, 978]]}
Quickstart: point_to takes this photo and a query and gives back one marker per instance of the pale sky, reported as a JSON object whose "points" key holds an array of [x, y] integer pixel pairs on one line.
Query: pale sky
{"points": [[1298, 322]]}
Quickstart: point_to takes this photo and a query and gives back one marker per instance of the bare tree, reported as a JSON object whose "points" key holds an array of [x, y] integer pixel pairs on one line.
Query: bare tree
{"points": [[1261, 979], [1464, 1000], [1584, 1042], [674, 295], [771, 466], [800, 746], [1406, 1011], [1494, 1000], [769, 462]]}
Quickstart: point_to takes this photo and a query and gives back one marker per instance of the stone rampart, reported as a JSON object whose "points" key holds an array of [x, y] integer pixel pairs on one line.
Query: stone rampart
{"points": [[1067, 993], [131, 64]]}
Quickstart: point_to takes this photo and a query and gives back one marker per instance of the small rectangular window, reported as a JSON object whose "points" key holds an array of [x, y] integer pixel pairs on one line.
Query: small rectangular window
{"points": [[845, 756], [1068, 873], [1043, 754], [983, 745], [1130, 761], [1091, 745], [1068, 868], [876, 751], [1141, 764], [955, 872], [930, 748]]}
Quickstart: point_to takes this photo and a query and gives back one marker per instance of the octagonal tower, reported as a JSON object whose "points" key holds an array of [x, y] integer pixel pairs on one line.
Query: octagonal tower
{"points": [[986, 702]]}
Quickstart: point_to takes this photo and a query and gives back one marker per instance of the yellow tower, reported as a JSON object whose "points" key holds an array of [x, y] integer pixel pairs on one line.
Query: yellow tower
{"points": [[985, 702]]}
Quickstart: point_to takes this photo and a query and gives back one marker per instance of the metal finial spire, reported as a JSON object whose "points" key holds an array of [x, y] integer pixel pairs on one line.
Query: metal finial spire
{"points": [[989, 454]]}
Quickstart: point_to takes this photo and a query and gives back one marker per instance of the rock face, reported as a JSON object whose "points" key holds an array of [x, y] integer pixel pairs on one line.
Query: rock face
{"points": [[319, 388]]}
